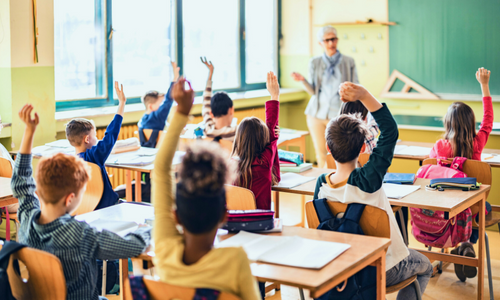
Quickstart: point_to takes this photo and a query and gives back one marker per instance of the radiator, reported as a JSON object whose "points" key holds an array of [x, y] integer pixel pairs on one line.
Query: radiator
{"points": [[117, 176]]}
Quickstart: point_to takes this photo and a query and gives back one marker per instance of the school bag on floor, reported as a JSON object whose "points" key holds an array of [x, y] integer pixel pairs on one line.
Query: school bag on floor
{"points": [[362, 285], [8, 249], [431, 227]]}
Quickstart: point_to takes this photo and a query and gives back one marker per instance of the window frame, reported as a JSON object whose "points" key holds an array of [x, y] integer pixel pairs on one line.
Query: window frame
{"points": [[106, 69]]}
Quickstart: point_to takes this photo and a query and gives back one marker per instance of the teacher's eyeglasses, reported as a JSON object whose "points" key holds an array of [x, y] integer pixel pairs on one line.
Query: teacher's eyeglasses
{"points": [[333, 40]]}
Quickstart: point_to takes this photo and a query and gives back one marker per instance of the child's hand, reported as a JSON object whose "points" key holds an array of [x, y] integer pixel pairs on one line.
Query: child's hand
{"points": [[297, 76], [209, 65], [119, 92], [273, 86], [176, 69], [277, 131], [350, 92], [25, 116], [183, 97], [483, 76]]}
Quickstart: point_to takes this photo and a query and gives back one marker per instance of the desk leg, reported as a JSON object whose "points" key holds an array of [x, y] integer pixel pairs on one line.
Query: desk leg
{"points": [[380, 264], [302, 146], [276, 204], [303, 211], [128, 185], [480, 255], [138, 186], [7, 225], [125, 292]]}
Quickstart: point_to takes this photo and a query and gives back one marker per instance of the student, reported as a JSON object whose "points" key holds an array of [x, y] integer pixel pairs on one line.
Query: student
{"points": [[345, 136], [60, 184], [217, 110], [187, 257], [156, 111], [81, 134], [255, 148], [461, 139], [357, 108]]}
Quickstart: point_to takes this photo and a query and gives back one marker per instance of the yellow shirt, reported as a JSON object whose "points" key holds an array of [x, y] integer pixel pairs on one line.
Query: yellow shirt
{"points": [[223, 269]]}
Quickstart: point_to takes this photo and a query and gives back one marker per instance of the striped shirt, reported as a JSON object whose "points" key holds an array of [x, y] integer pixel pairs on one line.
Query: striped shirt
{"points": [[227, 132], [76, 244]]}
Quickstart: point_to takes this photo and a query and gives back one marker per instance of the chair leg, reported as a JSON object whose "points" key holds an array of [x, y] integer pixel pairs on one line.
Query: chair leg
{"points": [[488, 263], [403, 227], [440, 268], [417, 290], [104, 272], [301, 293], [429, 248]]}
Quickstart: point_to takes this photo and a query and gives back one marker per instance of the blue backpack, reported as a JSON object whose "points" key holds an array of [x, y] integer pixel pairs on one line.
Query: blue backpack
{"points": [[362, 285], [8, 249]]}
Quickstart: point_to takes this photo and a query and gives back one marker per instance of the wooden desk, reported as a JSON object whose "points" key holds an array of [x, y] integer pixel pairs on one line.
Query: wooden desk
{"points": [[450, 201], [364, 251], [299, 142], [6, 198]]}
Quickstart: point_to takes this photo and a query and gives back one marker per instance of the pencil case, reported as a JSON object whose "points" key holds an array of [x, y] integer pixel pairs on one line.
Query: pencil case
{"points": [[399, 178], [465, 184], [252, 226], [295, 157]]}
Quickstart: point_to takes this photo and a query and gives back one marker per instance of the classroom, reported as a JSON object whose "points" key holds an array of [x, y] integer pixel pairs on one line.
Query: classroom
{"points": [[285, 149]]}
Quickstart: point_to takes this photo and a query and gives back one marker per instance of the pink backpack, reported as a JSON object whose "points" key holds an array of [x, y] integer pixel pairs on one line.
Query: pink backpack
{"points": [[430, 227]]}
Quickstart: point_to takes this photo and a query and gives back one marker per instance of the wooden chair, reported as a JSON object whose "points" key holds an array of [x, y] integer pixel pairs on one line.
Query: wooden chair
{"points": [[5, 168], [148, 132], [362, 160], [239, 198], [46, 277], [158, 290], [93, 194], [482, 172], [374, 222]]}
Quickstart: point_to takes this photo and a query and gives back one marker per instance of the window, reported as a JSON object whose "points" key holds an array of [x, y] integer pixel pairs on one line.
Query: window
{"points": [[100, 41]]}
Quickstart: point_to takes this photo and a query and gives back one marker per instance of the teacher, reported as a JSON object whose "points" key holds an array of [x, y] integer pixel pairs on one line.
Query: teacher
{"points": [[326, 73]]}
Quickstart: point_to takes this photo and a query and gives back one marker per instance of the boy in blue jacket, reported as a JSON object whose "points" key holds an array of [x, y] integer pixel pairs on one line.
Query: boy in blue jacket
{"points": [[81, 133]]}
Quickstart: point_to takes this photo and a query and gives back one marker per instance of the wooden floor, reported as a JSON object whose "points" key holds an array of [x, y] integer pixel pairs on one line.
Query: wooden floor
{"points": [[442, 286]]}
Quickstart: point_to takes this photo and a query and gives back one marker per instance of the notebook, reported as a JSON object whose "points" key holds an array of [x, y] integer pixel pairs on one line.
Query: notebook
{"points": [[284, 163], [399, 178], [286, 250], [298, 169], [291, 180], [412, 150], [398, 191]]}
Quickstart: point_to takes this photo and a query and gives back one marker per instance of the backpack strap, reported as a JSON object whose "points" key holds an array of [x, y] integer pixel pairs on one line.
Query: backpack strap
{"points": [[151, 143], [322, 210], [8, 248], [354, 212]]}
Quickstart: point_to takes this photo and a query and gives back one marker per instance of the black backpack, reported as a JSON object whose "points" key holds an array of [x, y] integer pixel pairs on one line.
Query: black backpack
{"points": [[8, 249], [362, 285]]}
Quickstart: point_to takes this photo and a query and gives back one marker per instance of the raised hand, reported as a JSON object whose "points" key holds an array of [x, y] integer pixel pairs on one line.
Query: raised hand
{"points": [[25, 116], [209, 65], [297, 76], [483, 76], [273, 86], [119, 93], [350, 92], [177, 71], [183, 97]]}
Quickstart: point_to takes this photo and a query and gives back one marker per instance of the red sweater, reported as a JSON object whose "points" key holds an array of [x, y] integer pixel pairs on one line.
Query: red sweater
{"points": [[268, 163], [442, 148]]}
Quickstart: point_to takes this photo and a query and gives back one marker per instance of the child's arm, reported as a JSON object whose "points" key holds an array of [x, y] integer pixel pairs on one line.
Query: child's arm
{"points": [[206, 109], [370, 177], [163, 195], [22, 184], [483, 77], [162, 113], [272, 121], [113, 246]]}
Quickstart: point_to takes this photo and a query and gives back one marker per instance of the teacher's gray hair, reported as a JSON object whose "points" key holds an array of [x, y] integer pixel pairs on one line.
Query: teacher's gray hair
{"points": [[324, 30]]}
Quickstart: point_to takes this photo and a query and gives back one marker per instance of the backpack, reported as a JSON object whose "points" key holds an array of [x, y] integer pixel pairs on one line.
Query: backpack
{"points": [[362, 285], [8, 249], [151, 143], [433, 228]]}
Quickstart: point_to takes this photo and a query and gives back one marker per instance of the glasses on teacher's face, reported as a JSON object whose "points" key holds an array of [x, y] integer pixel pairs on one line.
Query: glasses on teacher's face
{"points": [[333, 40]]}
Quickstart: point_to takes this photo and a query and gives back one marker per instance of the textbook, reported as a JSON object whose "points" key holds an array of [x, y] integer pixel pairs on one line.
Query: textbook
{"points": [[399, 178], [412, 150], [298, 169], [398, 191], [286, 250], [291, 180], [284, 163]]}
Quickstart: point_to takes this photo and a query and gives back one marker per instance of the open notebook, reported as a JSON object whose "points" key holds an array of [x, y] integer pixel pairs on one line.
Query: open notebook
{"points": [[286, 250]]}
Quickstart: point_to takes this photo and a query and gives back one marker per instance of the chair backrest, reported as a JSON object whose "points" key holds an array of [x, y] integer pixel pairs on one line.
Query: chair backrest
{"points": [[148, 132], [374, 221], [160, 290], [46, 277], [362, 160], [5, 168], [239, 198], [93, 194]]}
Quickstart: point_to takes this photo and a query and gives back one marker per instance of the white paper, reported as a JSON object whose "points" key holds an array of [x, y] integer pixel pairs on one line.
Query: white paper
{"points": [[287, 136], [130, 159], [291, 180], [47, 150], [253, 244], [398, 191], [130, 142], [121, 228], [412, 150], [145, 151], [59, 144], [488, 157]]}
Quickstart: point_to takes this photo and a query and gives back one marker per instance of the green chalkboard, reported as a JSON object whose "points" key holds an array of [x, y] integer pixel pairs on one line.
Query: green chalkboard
{"points": [[441, 43]]}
